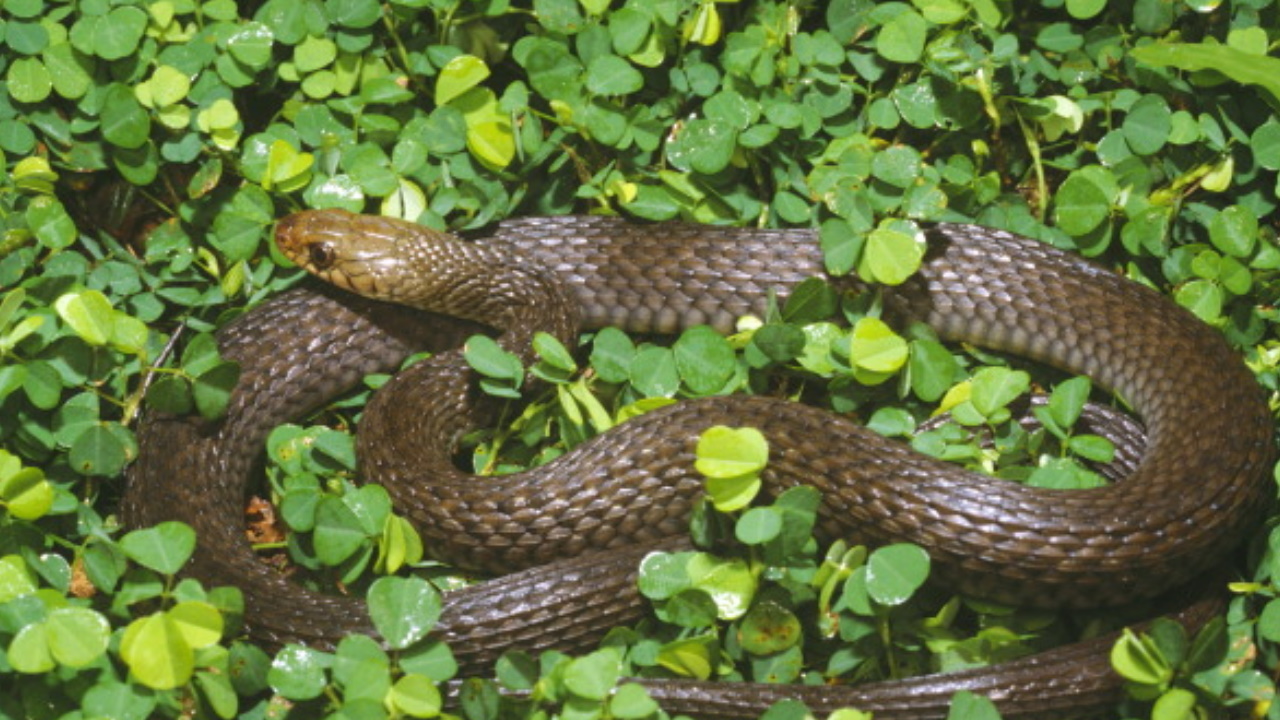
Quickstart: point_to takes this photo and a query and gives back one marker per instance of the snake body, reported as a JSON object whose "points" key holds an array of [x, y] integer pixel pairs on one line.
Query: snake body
{"points": [[1198, 487]]}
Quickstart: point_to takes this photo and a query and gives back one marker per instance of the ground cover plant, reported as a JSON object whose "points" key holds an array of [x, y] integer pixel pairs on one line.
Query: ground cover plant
{"points": [[148, 147]]}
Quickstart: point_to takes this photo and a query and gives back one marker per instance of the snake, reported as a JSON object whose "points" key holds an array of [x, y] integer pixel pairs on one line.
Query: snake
{"points": [[571, 533]]}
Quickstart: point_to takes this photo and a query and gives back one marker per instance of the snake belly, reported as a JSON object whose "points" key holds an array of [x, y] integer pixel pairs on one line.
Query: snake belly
{"points": [[1200, 485]]}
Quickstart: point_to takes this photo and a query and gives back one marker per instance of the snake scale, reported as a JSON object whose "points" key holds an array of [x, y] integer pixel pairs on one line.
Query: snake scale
{"points": [[1200, 485]]}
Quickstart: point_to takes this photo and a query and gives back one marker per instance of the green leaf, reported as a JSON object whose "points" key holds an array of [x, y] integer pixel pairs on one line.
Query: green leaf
{"points": [[16, 578], [611, 75], [29, 80], [890, 257], [487, 357], [1265, 144], [287, 169], [1175, 704], [631, 701], [1092, 447], [780, 342], [1269, 620], [399, 546], [157, 653], [691, 608], [841, 246], [298, 673], [654, 372], [901, 40], [1238, 65], [559, 16], [26, 493], [932, 369], [758, 526], [416, 696], [965, 705], [217, 690], [117, 34], [1234, 231], [705, 146], [199, 623], [1137, 659], [29, 651], [553, 352], [77, 636], [876, 347], [125, 122], [100, 450], [1148, 124], [403, 610], [251, 44], [729, 494], [1068, 400], [593, 676], [168, 86], [338, 532], [895, 572], [1080, 205], [89, 313], [458, 76], [690, 657], [705, 27], [489, 134], [1085, 9], [164, 548], [769, 628], [994, 388], [725, 452], [314, 53], [353, 13], [812, 300], [211, 390], [730, 583], [1202, 297], [704, 359], [663, 575]]}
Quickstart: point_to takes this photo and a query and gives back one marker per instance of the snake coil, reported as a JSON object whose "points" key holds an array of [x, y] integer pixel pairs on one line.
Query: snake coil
{"points": [[1200, 485]]}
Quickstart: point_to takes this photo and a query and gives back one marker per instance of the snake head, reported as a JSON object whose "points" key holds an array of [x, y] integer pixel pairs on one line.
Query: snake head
{"points": [[392, 260], [344, 249]]}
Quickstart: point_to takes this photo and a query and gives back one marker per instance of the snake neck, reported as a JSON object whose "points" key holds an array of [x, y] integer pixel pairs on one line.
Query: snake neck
{"points": [[477, 283]]}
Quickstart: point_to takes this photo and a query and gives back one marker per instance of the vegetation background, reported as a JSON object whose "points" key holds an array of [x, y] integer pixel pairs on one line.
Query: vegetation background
{"points": [[149, 146]]}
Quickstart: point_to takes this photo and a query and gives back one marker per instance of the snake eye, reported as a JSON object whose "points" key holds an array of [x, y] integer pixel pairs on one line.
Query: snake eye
{"points": [[322, 255]]}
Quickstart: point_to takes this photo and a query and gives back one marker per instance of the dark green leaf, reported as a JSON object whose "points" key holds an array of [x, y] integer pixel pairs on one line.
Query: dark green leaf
{"points": [[338, 532], [769, 628], [704, 360], [654, 372], [611, 355], [212, 389]]}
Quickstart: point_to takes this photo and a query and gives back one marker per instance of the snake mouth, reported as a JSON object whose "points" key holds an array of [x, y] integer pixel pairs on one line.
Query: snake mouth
{"points": [[293, 233]]}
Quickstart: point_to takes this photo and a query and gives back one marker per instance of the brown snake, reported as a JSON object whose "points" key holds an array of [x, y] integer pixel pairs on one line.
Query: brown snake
{"points": [[1198, 488]]}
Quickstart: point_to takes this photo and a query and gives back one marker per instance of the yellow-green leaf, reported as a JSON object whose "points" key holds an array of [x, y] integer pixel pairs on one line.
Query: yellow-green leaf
{"points": [[157, 653], [725, 452], [29, 650], [199, 622], [876, 347], [89, 313], [458, 76], [27, 494]]}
